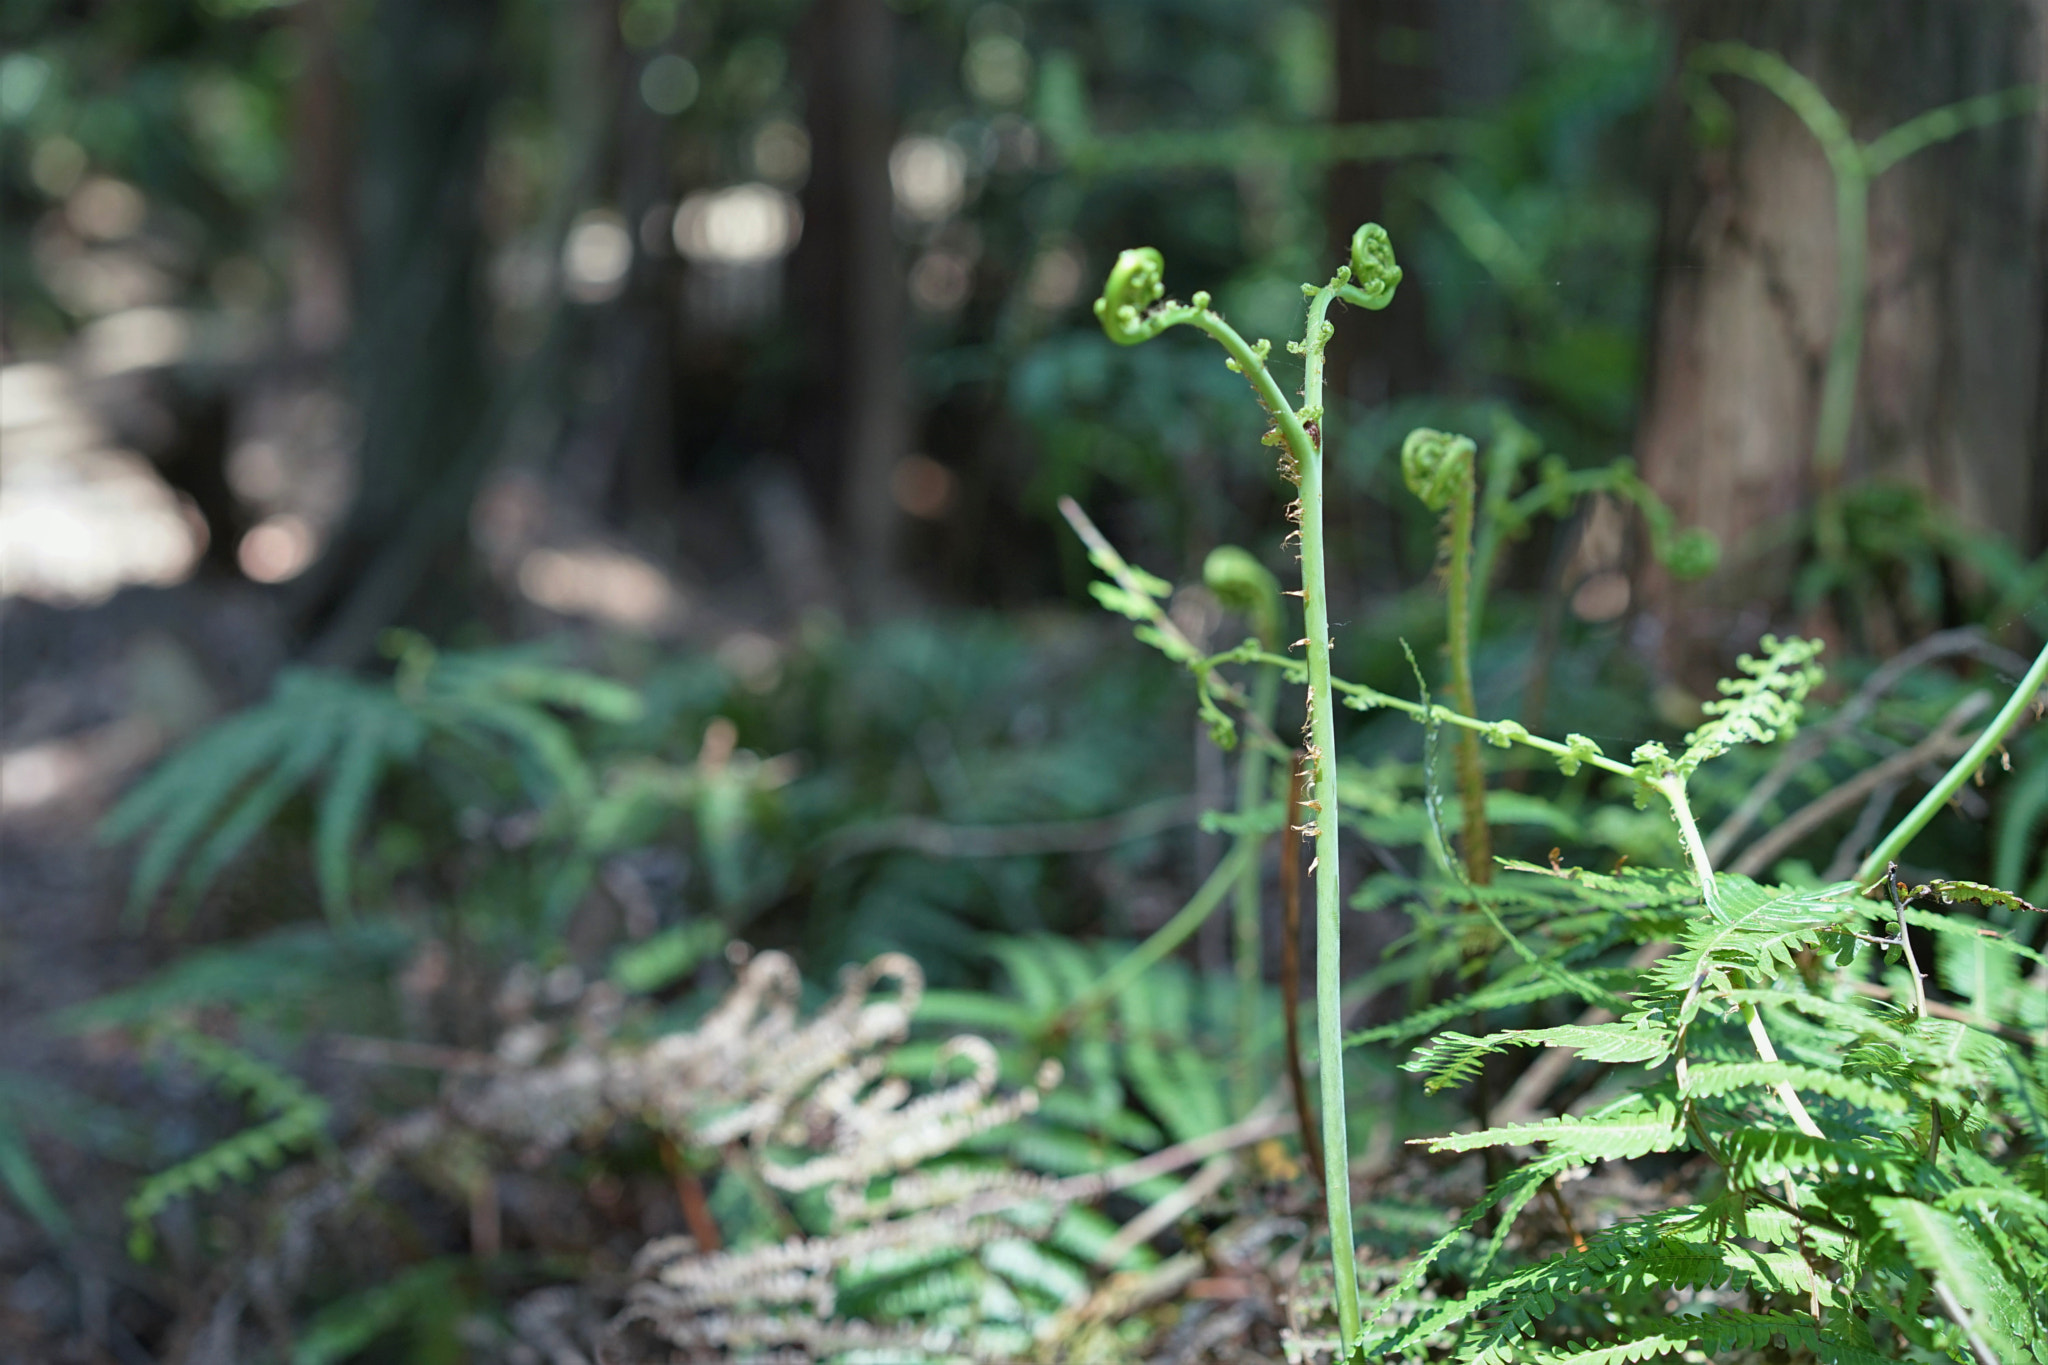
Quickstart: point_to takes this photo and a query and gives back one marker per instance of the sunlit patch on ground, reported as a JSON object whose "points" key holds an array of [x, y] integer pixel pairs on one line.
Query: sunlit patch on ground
{"points": [[79, 518], [534, 548]]}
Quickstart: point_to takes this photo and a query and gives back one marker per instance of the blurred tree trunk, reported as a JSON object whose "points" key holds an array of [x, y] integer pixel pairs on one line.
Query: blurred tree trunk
{"points": [[848, 287], [1948, 396], [320, 185], [419, 334], [1386, 63]]}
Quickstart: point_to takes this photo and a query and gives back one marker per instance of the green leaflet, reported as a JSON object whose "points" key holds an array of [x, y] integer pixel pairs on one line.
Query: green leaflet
{"points": [[1944, 1247], [1613, 1137], [1453, 1058], [1722, 1078]]}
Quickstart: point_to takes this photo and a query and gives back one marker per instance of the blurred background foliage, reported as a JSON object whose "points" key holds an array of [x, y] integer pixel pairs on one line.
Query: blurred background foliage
{"points": [[594, 466]]}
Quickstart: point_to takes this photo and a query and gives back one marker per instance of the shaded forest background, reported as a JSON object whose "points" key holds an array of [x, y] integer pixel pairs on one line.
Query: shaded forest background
{"points": [[740, 354]]}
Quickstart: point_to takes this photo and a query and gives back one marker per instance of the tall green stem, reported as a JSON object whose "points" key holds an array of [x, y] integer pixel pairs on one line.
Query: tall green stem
{"points": [[1322, 770], [1894, 844], [1130, 312]]}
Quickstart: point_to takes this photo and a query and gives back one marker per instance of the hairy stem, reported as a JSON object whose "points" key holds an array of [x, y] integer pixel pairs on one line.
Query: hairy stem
{"points": [[1892, 845], [1366, 698], [1322, 772], [1471, 777]]}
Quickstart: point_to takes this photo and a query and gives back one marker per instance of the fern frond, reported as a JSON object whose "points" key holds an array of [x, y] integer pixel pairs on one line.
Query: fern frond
{"points": [[299, 1119], [341, 1329], [1616, 1136], [1761, 930], [1518, 1186], [1761, 705], [1758, 1157], [388, 737], [1943, 1247], [1512, 990], [1721, 1078], [1453, 1058]]}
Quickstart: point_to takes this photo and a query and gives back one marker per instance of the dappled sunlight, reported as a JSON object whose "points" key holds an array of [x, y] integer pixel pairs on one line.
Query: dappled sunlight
{"points": [[80, 519]]}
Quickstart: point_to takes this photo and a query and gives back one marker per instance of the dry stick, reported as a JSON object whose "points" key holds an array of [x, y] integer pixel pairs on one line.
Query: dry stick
{"points": [[1942, 743], [1290, 963], [1160, 1216], [690, 1195]]}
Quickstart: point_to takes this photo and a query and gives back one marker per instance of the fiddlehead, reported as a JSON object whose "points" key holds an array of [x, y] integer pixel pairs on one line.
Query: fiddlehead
{"points": [[1373, 272], [1437, 467], [1243, 584], [1136, 282]]}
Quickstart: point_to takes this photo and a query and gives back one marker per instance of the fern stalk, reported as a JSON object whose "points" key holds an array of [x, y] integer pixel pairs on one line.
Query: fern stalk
{"points": [[1131, 312], [1322, 770], [1892, 845], [1471, 779]]}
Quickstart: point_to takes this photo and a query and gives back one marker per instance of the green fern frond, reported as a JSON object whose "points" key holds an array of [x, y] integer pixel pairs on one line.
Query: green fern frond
{"points": [[1722, 1078], [204, 805], [1453, 1058], [343, 1328], [287, 966], [1615, 1136], [1761, 705], [1504, 994], [1517, 1186], [1758, 1157], [298, 1119], [1761, 931], [1945, 1248]]}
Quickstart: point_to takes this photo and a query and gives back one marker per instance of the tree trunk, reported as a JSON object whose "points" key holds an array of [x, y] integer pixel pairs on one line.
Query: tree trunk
{"points": [[1947, 394], [417, 344], [1386, 61], [848, 287]]}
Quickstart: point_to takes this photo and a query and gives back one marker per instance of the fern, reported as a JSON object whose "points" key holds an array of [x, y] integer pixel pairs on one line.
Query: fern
{"points": [[203, 806], [296, 1119]]}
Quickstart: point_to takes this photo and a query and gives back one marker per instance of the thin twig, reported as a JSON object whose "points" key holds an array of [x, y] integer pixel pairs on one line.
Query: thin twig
{"points": [[1166, 1212]]}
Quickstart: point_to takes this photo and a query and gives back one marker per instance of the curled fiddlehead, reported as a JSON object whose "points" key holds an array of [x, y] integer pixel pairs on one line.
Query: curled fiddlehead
{"points": [[1243, 584], [1136, 282], [1437, 466], [1373, 272]]}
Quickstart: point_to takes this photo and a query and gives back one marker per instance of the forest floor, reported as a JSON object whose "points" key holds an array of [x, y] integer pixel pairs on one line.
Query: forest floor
{"points": [[88, 697]]}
